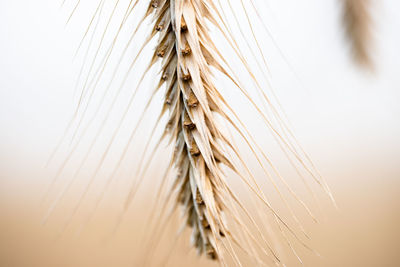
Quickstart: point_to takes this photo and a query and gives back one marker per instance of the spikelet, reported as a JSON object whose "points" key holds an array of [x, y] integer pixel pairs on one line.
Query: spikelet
{"points": [[357, 23]]}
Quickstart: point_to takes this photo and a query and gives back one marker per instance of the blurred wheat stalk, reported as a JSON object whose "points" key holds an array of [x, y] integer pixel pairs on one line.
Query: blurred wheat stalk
{"points": [[357, 23]]}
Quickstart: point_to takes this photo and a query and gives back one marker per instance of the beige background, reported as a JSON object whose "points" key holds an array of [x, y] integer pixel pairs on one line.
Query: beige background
{"points": [[347, 120]]}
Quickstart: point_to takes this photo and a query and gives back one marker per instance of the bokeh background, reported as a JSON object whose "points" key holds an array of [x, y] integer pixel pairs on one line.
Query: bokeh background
{"points": [[348, 119]]}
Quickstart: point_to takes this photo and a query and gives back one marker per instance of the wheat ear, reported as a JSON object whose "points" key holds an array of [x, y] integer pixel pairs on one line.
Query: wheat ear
{"points": [[192, 101], [357, 23], [195, 110]]}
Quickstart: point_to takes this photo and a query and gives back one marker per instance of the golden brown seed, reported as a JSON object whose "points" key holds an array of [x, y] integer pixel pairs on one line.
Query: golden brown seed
{"points": [[192, 101], [199, 199], [211, 252], [161, 53], [187, 50], [205, 224], [183, 25], [188, 123], [159, 27], [186, 77], [154, 3], [194, 149]]}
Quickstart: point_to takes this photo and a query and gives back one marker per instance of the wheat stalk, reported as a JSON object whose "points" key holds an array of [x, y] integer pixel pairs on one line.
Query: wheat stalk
{"points": [[357, 23]]}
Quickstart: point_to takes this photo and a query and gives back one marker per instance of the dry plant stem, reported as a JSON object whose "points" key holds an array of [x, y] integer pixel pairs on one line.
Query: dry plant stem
{"points": [[357, 22]]}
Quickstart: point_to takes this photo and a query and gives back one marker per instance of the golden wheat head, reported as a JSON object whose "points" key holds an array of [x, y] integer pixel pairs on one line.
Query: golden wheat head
{"points": [[198, 124]]}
